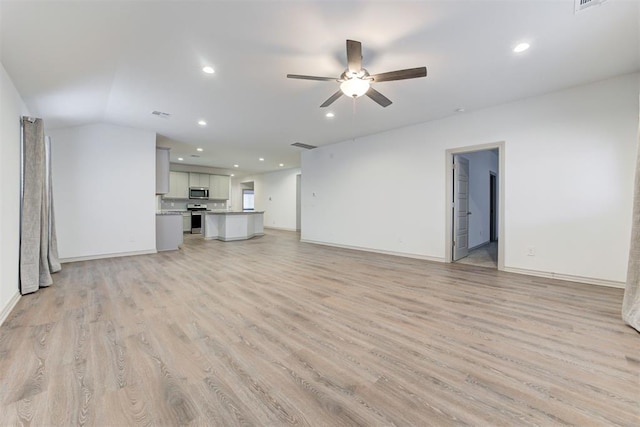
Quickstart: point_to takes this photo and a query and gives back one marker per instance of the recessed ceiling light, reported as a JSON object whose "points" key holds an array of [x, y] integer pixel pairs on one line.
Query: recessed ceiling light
{"points": [[208, 70], [330, 115], [202, 123], [180, 158], [459, 110], [521, 47], [281, 164], [236, 166], [199, 149], [233, 174], [261, 159]]}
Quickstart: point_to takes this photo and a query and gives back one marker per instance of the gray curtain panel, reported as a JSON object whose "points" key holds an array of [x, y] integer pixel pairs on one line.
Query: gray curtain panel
{"points": [[38, 245], [53, 260], [631, 301]]}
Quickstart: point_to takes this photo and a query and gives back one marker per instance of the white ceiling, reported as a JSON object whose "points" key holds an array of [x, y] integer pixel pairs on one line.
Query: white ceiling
{"points": [[85, 62]]}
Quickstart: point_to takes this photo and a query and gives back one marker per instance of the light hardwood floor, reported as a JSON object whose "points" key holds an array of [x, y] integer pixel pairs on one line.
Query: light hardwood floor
{"points": [[271, 332]]}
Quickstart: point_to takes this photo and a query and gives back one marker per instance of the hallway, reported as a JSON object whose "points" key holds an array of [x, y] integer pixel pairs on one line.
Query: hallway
{"points": [[483, 256]]}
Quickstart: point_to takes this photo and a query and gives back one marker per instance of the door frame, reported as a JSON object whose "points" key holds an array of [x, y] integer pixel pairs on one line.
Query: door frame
{"points": [[448, 238], [493, 206]]}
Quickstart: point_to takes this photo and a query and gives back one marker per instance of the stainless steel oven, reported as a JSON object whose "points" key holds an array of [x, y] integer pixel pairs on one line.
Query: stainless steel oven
{"points": [[197, 216]]}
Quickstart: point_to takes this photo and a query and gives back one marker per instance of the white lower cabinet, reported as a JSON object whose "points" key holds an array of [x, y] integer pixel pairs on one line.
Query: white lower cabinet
{"points": [[186, 222], [168, 235]]}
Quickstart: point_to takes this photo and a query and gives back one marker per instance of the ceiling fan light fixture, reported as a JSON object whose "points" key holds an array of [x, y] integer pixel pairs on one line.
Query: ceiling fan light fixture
{"points": [[354, 87]]}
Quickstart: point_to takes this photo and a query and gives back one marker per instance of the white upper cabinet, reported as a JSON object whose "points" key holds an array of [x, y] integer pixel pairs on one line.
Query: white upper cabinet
{"points": [[162, 170], [219, 187], [198, 180], [178, 185]]}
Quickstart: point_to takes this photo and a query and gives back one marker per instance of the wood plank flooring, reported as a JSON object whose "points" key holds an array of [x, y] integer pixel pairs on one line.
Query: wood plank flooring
{"points": [[271, 332]]}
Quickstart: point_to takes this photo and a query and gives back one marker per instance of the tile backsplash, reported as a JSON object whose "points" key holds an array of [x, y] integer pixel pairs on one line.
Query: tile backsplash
{"points": [[181, 204]]}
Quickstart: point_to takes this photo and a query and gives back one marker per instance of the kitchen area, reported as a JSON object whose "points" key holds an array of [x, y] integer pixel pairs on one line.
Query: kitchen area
{"points": [[198, 203]]}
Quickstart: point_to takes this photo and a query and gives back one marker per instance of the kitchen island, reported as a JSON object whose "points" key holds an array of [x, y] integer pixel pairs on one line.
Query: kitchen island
{"points": [[232, 225]]}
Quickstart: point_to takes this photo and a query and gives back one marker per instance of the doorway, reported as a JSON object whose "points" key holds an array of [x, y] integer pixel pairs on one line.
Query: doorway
{"points": [[248, 203], [248, 196], [474, 205]]}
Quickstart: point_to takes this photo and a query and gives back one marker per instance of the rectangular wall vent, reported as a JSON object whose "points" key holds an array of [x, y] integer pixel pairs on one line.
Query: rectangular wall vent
{"points": [[581, 5], [305, 146], [161, 114]]}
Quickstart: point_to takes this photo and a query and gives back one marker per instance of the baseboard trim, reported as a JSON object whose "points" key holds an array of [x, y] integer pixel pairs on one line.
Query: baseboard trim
{"points": [[567, 277], [102, 256], [535, 273], [234, 239], [280, 228], [377, 251], [7, 310]]}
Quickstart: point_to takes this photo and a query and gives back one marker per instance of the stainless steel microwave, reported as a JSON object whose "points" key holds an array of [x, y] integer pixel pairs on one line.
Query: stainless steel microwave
{"points": [[198, 193]]}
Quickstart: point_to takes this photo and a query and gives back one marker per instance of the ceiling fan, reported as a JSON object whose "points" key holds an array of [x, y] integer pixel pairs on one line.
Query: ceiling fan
{"points": [[356, 81]]}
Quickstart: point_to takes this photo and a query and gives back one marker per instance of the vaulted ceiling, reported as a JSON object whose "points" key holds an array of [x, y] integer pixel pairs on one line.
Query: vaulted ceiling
{"points": [[79, 62]]}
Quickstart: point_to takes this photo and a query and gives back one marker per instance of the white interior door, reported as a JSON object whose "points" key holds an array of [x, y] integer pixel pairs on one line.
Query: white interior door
{"points": [[460, 207]]}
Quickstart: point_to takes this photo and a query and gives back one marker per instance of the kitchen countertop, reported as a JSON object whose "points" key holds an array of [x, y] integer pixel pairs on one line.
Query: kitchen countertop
{"points": [[226, 212], [208, 211]]}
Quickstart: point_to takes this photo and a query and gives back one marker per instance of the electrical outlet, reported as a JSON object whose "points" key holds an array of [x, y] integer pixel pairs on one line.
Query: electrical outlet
{"points": [[531, 251]]}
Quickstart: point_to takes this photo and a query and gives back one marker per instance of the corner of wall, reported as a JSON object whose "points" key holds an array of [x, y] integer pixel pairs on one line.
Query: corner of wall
{"points": [[11, 108]]}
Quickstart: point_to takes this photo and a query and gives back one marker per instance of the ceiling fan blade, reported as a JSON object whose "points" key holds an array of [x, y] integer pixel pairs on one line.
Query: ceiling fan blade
{"points": [[331, 99], [378, 97], [298, 76], [354, 56], [410, 73]]}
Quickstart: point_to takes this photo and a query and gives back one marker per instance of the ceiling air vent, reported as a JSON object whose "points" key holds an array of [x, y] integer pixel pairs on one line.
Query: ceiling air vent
{"points": [[581, 5], [305, 146], [161, 114]]}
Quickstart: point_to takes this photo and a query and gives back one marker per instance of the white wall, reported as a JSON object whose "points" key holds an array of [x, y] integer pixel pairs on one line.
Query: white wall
{"points": [[275, 193], [569, 169], [104, 190], [480, 164], [11, 109]]}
